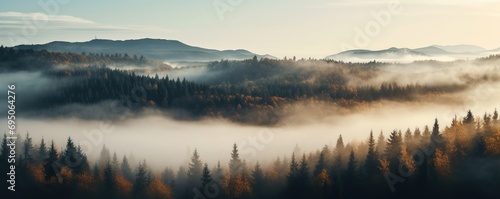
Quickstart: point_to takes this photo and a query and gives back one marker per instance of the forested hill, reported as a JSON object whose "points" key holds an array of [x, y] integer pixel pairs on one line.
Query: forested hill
{"points": [[159, 49], [13, 59]]}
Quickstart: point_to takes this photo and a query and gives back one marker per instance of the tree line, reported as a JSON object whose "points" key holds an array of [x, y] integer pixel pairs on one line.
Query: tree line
{"points": [[459, 160]]}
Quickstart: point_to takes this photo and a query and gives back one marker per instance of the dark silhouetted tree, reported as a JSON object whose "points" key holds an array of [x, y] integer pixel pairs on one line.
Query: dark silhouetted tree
{"points": [[371, 162]]}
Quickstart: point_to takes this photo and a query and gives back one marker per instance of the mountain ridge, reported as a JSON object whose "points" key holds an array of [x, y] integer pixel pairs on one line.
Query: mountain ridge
{"points": [[160, 49]]}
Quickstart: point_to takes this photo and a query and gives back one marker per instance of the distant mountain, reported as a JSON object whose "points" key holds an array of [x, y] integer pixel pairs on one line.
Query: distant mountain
{"points": [[496, 50], [461, 48], [160, 49], [432, 50], [387, 54]]}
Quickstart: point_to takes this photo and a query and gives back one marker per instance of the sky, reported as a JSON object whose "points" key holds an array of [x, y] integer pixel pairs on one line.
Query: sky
{"points": [[302, 28]]}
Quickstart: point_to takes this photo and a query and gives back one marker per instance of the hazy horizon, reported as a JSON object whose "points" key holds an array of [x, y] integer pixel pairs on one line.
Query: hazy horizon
{"points": [[260, 26]]}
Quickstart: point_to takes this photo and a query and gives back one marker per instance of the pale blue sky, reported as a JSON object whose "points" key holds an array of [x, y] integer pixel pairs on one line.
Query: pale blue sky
{"points": [[303, 28]]}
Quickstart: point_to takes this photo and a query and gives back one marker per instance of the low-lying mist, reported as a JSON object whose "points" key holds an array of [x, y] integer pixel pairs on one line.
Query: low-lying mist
{"points": [[163, 141]]}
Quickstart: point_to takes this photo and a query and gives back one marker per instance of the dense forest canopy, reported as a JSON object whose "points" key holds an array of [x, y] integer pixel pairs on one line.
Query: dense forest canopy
{"points": [[250, 91], [436, 161]]}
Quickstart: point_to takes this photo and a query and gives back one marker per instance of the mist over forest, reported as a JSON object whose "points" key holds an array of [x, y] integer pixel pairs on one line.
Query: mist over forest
{"points": [[309, 128]]}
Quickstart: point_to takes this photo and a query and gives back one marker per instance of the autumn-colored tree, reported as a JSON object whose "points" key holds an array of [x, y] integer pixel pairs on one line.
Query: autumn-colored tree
{"points": [[123, 186], [237, 186], [442, 163], [323, 183], [493, 143], [157, 190]]}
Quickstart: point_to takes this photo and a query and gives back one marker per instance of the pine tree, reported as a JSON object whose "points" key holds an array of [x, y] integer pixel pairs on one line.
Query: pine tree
{"points": [[469, 119], [291, 178], [339, 147], [168, 177], [304, 174], [371, 162], [96, 172], [195, 170], [126, 169], [42, 152], [381, 144], [206, 178], [408, 139], [105, 156], [52, 167], [257, 179], [320, 165], [417, 136], [235, 162], [142, 180], [350, 176], [69, 156], [218, 172], [28, 150], [114, 164], [393, 150], [109, 180], [495, 116]]}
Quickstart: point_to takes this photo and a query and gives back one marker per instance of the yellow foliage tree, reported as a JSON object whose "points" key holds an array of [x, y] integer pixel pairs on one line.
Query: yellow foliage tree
{"points": [[123, 186], [85, 181], [493, 143], [384, 166], [158, 190], [407, 160], [442, 163], [237, 186]]}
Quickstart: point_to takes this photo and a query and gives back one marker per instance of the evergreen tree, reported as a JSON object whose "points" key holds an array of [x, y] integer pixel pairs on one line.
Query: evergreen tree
{"points": [[235, 162], [109, 180], [339, 147], [303, 176], [69, 156], [195, 170], [495, 116], [371, 162], [393, 150], [408, 139], [320, 165], [257, 180], [206, 178], [291, 178], [168, 177], [142, 180], [28, 150], [52, 166], [417, 136], [350, 176], [381, 144], [218, 172], [115, 165], [96, 172], [126, 169], [42, 152], [435, 136], [469, 119]]}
